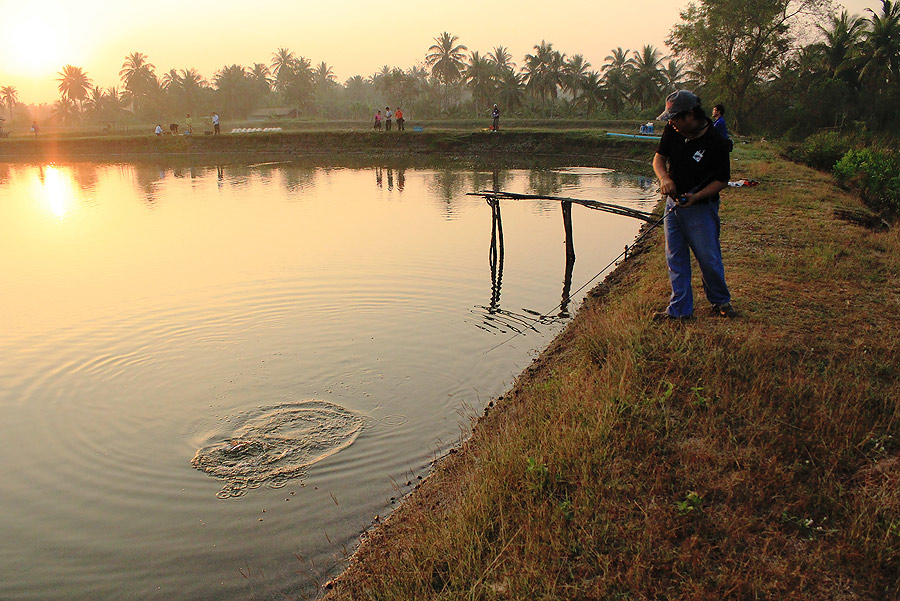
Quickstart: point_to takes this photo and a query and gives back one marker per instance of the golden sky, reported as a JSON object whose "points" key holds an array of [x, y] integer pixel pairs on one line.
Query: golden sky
{"points": [[352, 36]]}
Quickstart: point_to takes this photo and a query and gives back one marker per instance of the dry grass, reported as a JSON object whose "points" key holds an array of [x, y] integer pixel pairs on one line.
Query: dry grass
{"points": [[756, 458]]}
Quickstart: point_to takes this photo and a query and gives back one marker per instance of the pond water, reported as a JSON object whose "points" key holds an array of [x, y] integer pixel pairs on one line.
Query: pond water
{"points": [[213, 378]]}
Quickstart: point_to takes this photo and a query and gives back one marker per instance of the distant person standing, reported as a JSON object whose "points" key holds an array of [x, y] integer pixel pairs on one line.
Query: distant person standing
{"points": [[377, 119], [189, 127], [387, 118], [34, 128], [718, 119], [399, 115], [495, 118], [215, 124]]}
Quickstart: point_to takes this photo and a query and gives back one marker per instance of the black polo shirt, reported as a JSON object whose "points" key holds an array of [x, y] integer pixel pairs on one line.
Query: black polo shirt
{"points": [[696, 162]]}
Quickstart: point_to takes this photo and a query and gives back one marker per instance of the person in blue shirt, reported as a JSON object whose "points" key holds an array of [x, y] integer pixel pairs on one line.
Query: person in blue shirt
{"points": [[718, 119]]}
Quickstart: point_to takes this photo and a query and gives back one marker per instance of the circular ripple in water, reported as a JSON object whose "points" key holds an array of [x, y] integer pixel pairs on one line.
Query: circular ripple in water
{"points": [[278, 443]]}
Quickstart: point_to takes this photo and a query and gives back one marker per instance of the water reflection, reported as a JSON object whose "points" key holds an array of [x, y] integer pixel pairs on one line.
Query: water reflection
{"points": [[495, 255], [55, 190], [503, 321], [566, 208], [180, 305], [550, 182]]}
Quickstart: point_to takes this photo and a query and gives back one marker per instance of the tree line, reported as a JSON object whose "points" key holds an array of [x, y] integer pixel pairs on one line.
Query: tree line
{"points": [[780, 66]]}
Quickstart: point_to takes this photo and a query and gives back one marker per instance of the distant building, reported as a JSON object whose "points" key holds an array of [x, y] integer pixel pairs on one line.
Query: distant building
{"points": [[273, 114]]}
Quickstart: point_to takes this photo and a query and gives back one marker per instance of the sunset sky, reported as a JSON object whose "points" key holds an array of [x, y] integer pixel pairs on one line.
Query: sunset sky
{"points": [[352, 36]]}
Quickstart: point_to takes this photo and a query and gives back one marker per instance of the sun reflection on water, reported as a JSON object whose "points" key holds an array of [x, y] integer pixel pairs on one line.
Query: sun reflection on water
{"points": [[55, 190]]}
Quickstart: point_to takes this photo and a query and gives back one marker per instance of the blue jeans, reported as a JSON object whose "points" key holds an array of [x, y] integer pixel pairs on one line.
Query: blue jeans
{"points": [[694, 228]]}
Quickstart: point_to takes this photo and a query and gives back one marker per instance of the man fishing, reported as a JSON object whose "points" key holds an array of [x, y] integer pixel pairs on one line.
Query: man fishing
{"points": [[692, 165]]}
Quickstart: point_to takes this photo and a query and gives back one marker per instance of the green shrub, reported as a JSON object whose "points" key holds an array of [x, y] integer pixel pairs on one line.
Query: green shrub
{"points": [[876, 174], [824, 149]]}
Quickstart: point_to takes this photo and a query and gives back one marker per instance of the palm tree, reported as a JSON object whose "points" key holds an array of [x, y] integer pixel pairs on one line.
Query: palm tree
{"points": [[840, 49], [882, 44], [511, 90], [673, 75], [324, 74], [139, 80], [134, 67], [502, 59], [9, 96], [283, 65], [170, 81], [294, 80], [592, 92], [615, 78], [234, 88], [192, 87], [64, 110], [74, 84], [260, 73], [543, 72], [574, 71], [646, 78], [480, 74], [446, 59]]}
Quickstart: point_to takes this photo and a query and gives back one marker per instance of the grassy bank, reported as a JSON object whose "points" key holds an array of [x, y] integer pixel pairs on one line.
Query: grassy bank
{"points": [[756, 458], [584, 145]]}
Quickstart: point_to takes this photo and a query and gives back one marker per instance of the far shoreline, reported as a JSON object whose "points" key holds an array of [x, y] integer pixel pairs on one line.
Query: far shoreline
{"points": [[509, 148]]}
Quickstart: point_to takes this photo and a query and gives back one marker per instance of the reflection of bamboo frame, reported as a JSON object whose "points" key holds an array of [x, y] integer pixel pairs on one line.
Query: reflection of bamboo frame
{"points": [[502, 320]]}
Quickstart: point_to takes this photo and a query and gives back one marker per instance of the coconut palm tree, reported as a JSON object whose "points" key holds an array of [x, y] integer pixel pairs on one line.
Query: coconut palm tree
{"points": [[841, 47], [615, 71], [139, 80], [260, 73], [136, 66], [9, 96], [574, 71], [511, 90], [283, 66], [74, 84], [592, 92], [234, 90], [646, 78], [192, 87], [479, 75], [543, 71], [502, 59], [446, 59], [295, 81], [882, 44], [673, 75], [64, 110], [170, 81], [324, 74]]}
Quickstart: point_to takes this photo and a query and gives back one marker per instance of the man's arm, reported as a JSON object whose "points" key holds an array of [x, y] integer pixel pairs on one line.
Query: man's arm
{"points": [[660, 167]]}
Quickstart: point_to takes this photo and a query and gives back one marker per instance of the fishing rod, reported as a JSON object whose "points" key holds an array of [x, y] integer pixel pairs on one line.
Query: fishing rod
{"points": [[591, 204], [624, 253]]}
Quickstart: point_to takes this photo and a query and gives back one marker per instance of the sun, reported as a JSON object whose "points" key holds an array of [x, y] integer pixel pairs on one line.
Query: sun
{"points": [[38, 44]]}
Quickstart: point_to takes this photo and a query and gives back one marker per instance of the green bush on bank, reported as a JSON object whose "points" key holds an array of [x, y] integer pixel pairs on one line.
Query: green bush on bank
{"points": [[875, 173], [822, 150]]}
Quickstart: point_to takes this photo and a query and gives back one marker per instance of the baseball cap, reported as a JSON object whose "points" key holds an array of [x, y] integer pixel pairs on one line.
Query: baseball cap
{"points": [[677, 102]]}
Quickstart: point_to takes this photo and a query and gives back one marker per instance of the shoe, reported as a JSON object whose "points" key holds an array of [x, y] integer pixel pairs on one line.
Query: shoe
{"points": [[664, 316], [725, 310]]}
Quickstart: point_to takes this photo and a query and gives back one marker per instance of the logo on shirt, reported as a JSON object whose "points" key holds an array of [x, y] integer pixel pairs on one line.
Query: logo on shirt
{"points": [[698, 156]]}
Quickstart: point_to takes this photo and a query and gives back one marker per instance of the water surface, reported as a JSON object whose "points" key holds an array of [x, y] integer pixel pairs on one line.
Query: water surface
{"points": [[151, 312]]}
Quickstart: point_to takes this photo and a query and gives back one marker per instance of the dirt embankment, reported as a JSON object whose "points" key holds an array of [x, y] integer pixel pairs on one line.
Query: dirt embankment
{"points": [[505, 146]]}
